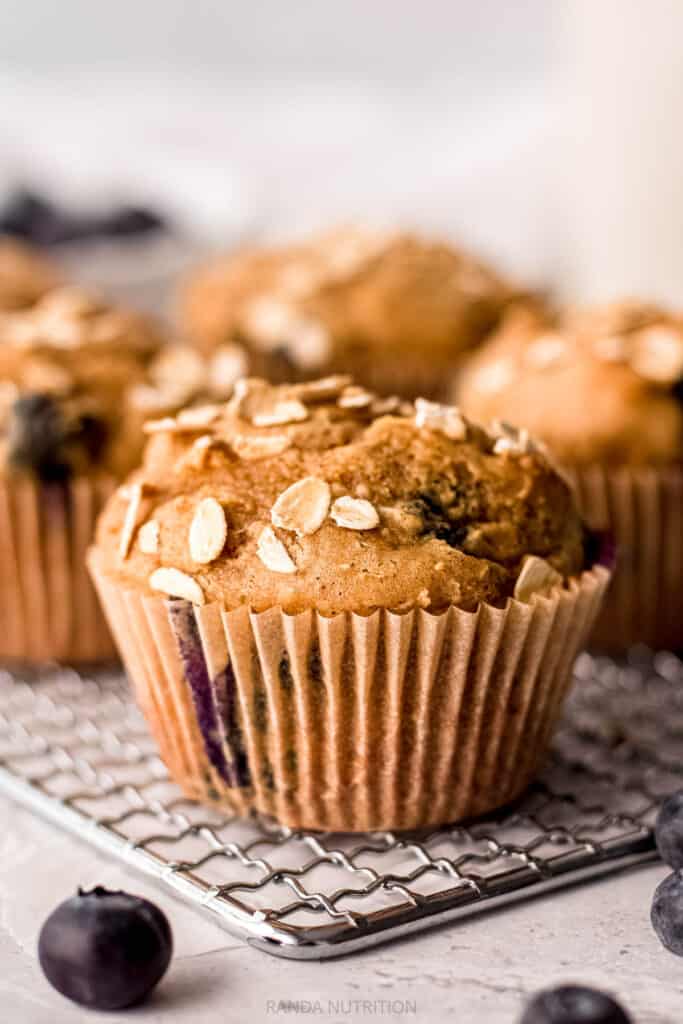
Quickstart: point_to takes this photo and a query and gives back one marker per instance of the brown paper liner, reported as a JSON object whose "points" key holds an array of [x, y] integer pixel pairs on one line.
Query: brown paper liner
{"points": [[643, 510], [353, 722], [48, 606]]}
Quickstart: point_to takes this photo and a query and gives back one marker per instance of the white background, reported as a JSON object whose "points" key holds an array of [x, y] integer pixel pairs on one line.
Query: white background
{"points": [[285, 115], [543, 133]]}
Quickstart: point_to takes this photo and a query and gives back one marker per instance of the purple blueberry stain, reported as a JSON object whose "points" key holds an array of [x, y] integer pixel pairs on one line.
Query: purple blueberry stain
{"points": [[212, 699]]}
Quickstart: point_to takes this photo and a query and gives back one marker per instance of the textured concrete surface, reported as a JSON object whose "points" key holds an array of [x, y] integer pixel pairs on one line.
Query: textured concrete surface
{"points": [[476, 972]]}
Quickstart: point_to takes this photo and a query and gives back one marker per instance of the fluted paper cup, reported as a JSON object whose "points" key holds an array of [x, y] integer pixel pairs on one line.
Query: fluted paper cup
{"points": [[352, 722], [48, 606], [643, 510]]}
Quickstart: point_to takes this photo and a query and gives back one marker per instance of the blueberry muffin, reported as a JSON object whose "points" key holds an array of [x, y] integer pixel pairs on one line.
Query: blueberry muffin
{"points": [[78, 379], [396, 311], [602, 387], [346, 611], [24, 275]]}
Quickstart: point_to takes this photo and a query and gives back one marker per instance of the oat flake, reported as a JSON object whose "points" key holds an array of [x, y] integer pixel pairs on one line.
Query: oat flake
{"points": [[354, 513], [303, 507], [175, 583], [273, 553], [537, 577], [208, 531]]}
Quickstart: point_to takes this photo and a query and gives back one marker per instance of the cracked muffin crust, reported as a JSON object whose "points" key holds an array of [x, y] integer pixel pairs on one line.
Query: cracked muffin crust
{"points": [[599, 385], [24, 275], [321, 495], [396, 311]]}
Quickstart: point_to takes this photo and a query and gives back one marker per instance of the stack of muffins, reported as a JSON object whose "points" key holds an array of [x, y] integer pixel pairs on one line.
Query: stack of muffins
{"points": [[340, 602]]}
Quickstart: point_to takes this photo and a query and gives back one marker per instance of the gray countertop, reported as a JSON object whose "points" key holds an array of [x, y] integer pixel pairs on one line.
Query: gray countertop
{"points": [[480, 970]]}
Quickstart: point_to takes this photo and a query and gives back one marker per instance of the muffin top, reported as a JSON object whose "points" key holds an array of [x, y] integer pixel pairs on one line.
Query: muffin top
{"points": [[24, 275], [321, 495], [78, 378], [598, 385], [325, 302]]}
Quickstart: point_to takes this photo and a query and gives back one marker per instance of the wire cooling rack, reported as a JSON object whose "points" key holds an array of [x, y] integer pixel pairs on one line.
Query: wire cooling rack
{"points": [[75, 748]]}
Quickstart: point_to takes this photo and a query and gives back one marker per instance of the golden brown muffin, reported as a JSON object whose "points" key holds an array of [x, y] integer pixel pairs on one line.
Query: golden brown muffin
{"points": [[77, 380], [343, 611], [602, 387], [395, 311], [442, 518], [24, 275], [596, 385]]}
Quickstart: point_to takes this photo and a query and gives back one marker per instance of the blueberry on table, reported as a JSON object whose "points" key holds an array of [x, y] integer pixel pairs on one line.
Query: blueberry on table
{"points": [[25, 214], [667, 912], [573, 1004], [106, 950], [131, 220], [669, 830], [28, 215]]}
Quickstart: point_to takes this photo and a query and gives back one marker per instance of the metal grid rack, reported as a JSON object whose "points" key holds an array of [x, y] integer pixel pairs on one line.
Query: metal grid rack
{"points": [[75, 748]]}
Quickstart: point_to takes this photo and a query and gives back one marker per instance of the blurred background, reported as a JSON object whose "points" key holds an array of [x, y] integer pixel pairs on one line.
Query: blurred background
{"points": [[543, 135]]}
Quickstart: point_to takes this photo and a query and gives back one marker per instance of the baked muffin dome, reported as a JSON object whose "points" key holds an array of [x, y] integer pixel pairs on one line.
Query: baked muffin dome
{"points": [[598, 386], [396, 311], [77, 380], [24, 275], [323, 496]]}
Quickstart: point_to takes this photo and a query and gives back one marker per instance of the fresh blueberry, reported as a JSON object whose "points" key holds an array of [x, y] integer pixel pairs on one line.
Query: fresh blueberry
{"points": [[131, 220], [667, 912], [669, 830], [36, 436], [573, 1004], [27, 214], [24, 213], [104, 949], [43, 439]]}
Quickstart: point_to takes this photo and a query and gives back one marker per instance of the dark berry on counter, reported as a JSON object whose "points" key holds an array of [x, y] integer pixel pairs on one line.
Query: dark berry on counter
{"points": [[669, 830], [24, 213], [106, 950], [667, 913], [131, 220], [36, 437], [574, 1004], [30, 216]]}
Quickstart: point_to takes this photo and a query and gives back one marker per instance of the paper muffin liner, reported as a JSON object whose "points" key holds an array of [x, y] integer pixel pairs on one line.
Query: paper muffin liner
{"points": [[353, 722], [48, 606], [643, 510]]}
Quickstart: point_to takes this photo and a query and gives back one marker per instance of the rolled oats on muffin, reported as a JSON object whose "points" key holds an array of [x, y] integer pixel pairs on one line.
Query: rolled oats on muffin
{"points": [[602, 387], [349, 616], [395, 310], [25, 276], [78, 379]]}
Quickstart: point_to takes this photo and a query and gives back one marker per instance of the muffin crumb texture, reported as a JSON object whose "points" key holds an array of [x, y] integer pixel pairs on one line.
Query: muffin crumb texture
{"points": [[303, 499]]}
